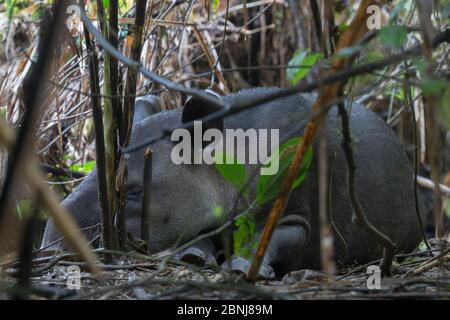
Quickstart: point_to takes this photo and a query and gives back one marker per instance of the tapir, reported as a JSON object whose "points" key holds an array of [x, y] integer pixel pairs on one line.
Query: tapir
{"points": [[184, 196]]}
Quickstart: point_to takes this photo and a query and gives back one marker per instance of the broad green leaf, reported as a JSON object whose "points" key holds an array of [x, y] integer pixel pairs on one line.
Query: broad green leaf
{"points": [[393, 36], [85, 168], [305, 60], [106, 4], [231, 171], [269, 186]]}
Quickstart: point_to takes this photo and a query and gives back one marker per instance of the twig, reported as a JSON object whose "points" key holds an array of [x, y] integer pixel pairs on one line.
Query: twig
{"points": [[146, 196], [200, 285], [410, 101], [202, 96], [429, 184], [25, 265], [342, 75], [110, 131], [212, 64], [33, 101], [389, 246], [425, 9], [63, 220], [103, 196], [127, 121], [443, 256]]}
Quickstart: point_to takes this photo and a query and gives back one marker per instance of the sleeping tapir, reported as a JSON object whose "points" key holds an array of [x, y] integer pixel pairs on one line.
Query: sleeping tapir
{"points": [[184, 196]]}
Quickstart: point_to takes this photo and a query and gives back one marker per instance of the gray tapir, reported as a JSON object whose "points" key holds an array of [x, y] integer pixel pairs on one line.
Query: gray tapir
{"points": [[184, 196]]}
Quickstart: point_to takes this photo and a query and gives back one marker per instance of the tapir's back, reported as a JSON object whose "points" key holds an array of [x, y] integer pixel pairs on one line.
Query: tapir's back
{"points": [[384, 177]]}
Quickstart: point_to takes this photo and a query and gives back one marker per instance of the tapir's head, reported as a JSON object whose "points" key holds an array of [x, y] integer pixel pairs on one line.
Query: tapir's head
{"points": [[182, 196]]}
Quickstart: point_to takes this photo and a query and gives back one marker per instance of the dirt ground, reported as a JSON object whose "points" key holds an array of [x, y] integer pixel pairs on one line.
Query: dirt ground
{"points": [[137, 277]]}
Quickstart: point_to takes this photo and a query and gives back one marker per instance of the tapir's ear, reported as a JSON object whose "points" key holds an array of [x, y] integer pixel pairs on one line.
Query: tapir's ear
{"points": [[195, 109], [146, 106]]}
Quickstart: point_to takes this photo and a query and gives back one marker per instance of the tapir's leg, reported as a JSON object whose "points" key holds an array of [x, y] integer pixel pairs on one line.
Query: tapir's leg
{"points": [[201, 253], [286, 245]]}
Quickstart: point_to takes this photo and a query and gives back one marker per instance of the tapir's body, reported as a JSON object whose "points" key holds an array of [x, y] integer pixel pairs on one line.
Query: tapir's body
{"points": [[184, 196]]}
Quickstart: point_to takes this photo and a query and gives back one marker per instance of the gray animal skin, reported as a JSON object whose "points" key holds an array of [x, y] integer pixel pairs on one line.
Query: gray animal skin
{"points": [[183, 196]]}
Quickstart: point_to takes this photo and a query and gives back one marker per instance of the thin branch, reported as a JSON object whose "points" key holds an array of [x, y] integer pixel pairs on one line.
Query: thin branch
{"points": [[105, 209], [251, 102], [202, 96], [62, 219], [146, 196]]}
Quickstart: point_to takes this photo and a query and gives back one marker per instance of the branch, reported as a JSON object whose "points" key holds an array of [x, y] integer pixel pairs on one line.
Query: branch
{"points": [[135, 65], [103, 197], [63, 220], [127, 121], [251, 102]]}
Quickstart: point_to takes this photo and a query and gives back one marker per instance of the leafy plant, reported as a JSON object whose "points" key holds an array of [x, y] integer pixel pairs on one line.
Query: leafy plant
{"points": [[215, 4], [306, 60], [232, 171], [218, 212], [393, 36], [432, 87], [244, 235], [268, 188], [85, 168]]}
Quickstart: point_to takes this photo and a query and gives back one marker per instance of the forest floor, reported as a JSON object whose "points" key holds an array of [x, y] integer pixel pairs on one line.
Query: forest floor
{"points": [[417, 277]]}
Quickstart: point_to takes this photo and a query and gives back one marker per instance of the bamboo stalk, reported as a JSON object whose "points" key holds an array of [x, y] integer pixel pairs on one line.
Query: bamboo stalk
{"points": [[109, 128], [128, 112]]}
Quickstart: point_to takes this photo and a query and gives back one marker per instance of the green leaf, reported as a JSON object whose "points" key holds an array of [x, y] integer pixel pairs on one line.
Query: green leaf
{"points": [[24, 208], [215, 4], [393, 36], [342, 27], [231, 171], [85, 168], [106, 4], [244, 235], [432, 87], [269, 186], [218, 212], [303, 59]]}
